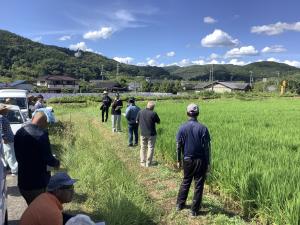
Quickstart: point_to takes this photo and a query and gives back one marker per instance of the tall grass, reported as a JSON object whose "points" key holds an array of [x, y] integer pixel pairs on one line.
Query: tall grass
{"points": [[112, 192], [256, 151]]}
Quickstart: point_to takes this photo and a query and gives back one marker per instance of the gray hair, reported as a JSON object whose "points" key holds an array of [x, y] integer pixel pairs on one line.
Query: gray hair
{"points": [[151, 105]]}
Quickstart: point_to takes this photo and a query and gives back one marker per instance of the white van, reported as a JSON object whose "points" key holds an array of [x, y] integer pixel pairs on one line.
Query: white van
{"points": [[17, 97]]}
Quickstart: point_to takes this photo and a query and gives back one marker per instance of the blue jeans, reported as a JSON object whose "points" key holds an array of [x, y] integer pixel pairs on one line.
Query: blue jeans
{"points": [[133, 129]]}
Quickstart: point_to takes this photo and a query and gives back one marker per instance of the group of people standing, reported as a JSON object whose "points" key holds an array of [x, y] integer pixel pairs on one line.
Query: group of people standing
{"points": [[145, 119], [193, 143]]}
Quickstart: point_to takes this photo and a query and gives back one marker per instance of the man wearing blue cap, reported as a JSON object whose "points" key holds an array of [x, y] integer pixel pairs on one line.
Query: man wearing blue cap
{"points": [[33, 153], [193, 142], [46, 209]]}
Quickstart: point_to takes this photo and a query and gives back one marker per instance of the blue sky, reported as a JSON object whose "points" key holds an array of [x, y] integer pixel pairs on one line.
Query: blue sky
{"points": [[163, 32]]}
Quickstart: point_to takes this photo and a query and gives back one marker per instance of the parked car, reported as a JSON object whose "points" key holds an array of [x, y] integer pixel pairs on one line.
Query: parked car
{"points": [[16, 97], [15, 117]]}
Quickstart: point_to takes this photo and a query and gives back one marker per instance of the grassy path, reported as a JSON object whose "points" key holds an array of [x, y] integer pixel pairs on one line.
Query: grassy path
{"points": [[110, 173]]}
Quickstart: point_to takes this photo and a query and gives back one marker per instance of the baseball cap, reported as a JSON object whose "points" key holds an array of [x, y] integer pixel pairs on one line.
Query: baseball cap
{"points": [[59, 180], [192, 108]]}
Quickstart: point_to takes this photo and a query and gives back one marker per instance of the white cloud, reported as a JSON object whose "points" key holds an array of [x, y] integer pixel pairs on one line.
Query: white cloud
{"points": [[237, 62], [37, 39], [171, 54], [277, 28], [151, 62], [157, 56], [103, 33], [219, 38], [184, 62], [214, 56], [65, 37], [124, 15], [199, 62], [243, 51], [273, 49], [292, 63], [81, 45], [209, 20], [127, 60], [273, 59]]}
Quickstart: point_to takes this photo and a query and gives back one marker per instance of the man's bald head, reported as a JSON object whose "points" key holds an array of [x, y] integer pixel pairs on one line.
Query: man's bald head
{"points": [[40, 119]]}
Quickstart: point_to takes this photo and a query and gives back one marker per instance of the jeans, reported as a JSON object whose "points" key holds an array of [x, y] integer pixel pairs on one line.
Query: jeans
{"points": [[192, 169], [133, 129], [147, 143], [10, 158], [104, 113], [116, 122]]}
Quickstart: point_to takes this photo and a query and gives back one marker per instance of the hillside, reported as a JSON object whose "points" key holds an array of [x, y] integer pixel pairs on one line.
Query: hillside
{"points": [[22, 57], [227, 72], [26, 59]]}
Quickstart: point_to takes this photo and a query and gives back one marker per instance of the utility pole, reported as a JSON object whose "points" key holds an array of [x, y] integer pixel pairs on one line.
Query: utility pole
{"points": [[278, 73], [118, 69], [251, 78], [101, 74], [211, 73]]}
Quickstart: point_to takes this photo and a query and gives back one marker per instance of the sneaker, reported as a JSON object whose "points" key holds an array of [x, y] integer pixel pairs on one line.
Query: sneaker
{"points": [[130, 145], [143, 164]]}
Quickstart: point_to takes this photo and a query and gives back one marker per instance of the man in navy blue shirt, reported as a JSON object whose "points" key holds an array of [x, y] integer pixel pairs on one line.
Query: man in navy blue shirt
{"points": [[133, 127], [193, 142]]}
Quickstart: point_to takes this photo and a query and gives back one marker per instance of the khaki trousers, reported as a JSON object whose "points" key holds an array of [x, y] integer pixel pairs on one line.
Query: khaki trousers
{"points": [[147, 143]]}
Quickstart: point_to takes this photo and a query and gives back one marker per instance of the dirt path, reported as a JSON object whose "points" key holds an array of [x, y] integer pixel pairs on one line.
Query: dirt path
{"points": [[16, 203], [162, 183]]}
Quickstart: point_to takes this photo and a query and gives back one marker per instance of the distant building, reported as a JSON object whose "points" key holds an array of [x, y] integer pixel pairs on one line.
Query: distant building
{"points": [[112, 86], [222, 87], [58, 83], [187, 86], [134, 86], [18, 84]]}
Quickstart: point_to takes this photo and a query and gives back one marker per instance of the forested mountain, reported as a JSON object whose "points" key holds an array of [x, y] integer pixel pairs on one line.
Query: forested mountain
{"points": [[228, 72], [26, 59], [22, 57]]}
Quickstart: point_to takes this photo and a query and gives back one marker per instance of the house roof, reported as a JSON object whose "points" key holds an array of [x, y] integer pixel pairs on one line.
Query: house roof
{"points": [[12, 84], [234, 85], [203, 85], [231, 85], [56, 77], [17, 82]]}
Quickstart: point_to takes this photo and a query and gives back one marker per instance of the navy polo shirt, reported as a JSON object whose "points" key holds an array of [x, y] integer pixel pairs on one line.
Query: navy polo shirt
{"points": [[194, 138]]}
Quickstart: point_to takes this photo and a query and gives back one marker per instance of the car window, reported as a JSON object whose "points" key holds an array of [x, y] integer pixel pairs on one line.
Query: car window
{"points": [[14, 116], [21, 102]]}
